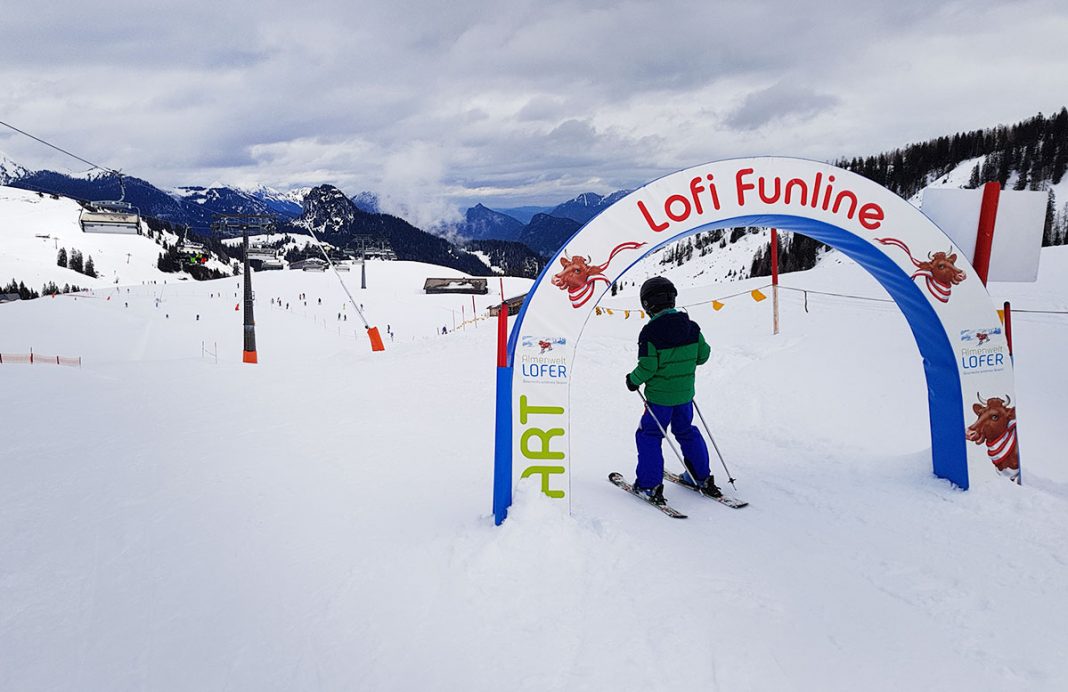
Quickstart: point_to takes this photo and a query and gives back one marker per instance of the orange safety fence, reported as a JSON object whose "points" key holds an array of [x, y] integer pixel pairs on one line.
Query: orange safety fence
{"points": [[39, 359]]}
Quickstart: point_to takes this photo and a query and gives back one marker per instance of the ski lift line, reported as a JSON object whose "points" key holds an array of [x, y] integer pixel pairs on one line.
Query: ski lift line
{"points": [[837, 295], [57, 148], [338, 275], [1041, 312], [704, 302]]}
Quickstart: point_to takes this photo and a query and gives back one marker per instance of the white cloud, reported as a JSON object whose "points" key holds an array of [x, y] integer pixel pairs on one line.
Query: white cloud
{"points": [[434, 105]]}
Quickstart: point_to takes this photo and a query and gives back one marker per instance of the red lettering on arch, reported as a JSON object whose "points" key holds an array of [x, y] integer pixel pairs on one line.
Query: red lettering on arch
{"points": [[871, 216], [673, 200], [657, 227]]}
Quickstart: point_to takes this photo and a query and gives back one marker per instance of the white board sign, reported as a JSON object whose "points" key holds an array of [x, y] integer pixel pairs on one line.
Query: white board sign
{"points": [[1018, 226]]}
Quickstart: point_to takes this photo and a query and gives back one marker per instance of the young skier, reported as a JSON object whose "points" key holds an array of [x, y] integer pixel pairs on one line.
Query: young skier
{"points": [[670, 347]]}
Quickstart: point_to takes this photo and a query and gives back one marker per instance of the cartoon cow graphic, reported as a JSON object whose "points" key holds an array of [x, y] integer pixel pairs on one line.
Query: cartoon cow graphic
{"points": [[579, 275], [940, 270], [545, 345], [983, 337], [995, 426]]}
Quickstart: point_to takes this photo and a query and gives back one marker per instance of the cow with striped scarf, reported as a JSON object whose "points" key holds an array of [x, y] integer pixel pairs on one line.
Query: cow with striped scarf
{"points": [[579, 276], [995, 426], [939, 271]]}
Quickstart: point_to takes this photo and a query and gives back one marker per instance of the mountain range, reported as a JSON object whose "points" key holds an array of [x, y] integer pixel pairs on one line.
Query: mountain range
{"points": [[1030, 154], [506, 243], [336, 219]]}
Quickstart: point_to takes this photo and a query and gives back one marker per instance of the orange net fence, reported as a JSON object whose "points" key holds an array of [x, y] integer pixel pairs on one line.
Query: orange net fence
{"points": [[39, 359]]}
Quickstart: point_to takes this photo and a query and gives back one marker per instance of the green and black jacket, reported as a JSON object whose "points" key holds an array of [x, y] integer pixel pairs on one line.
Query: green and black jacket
{"points": [[670, 348]]}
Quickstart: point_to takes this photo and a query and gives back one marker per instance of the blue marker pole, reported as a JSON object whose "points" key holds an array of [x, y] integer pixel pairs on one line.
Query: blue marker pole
{"points": [[502, 450]]}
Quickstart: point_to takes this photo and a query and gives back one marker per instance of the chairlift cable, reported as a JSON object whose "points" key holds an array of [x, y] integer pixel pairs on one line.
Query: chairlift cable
{"points": [[330, 262], [58, 148]]}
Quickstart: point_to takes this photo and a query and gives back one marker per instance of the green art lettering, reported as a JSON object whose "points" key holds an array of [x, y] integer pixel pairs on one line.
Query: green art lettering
{"points": [[546, 437], [545, 472], [524, 409]]}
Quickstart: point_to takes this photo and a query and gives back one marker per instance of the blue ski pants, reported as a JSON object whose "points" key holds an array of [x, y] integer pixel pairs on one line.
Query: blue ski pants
{"points": [[649, 440]]}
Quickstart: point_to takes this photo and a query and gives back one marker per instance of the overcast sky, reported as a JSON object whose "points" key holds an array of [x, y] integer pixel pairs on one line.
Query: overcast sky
{"points": [[437, 105]]}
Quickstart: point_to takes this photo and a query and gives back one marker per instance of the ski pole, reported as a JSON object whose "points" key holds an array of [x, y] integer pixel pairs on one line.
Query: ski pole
{"points": [[664, 432], [730, 479]]}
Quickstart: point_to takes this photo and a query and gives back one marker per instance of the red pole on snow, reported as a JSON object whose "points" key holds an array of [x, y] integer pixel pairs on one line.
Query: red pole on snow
{"points": [[502, 336], [1008, 326], [775, 279], [502, 331], [774, 257], [984, 239]]}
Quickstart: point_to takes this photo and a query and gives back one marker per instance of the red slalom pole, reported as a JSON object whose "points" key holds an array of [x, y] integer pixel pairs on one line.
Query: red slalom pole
{"points": [[1008, 326], [984, 239], [502, 336], [775, 279]]}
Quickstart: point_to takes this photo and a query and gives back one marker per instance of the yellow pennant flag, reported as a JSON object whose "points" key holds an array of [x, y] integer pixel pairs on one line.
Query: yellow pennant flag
{"points": [[626, 314], [757, 295], [1001, 316], [716, 305], [608, 310], [642, 312]]}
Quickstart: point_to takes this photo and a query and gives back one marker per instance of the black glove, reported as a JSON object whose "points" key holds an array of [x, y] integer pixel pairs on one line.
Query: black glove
{"points": [[631, 386]]}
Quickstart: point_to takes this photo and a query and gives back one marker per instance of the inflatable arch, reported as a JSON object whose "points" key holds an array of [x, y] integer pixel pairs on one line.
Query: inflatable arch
{"points": [[953, 320]]}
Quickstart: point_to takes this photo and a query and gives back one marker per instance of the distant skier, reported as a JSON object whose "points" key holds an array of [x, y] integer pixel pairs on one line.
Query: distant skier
{"points": [[670, 347]]}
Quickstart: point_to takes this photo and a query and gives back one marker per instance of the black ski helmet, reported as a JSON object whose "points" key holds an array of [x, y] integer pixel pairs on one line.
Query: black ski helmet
{"points": [[658, 294]]}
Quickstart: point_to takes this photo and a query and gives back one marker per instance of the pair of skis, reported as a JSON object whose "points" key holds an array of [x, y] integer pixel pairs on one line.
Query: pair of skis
{"points": [[731, 502], [618, 480]]}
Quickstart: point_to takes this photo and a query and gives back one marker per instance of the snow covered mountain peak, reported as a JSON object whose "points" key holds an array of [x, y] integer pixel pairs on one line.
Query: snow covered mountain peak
{"points": [[9, 170]]}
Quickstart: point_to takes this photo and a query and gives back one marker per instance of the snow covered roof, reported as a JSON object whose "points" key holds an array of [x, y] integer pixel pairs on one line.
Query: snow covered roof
{"points": [[456, 285]]}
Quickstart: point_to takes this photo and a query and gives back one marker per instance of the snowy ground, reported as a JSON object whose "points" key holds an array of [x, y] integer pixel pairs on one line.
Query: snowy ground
{"points": [[321, 520], [33, 227]]}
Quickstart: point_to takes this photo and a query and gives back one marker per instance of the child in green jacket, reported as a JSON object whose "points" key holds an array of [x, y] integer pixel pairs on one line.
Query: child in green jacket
{"points": [[670, 347]]}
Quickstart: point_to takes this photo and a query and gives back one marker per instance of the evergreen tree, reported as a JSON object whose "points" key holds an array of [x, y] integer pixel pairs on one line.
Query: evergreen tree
{"points": [[1026, 161], [1049, 229], [90, 270], [61, 258], [76, 261]]}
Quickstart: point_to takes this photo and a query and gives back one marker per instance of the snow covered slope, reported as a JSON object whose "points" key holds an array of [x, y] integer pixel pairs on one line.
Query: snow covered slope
{"points": [[33, 227], [321, 520]]}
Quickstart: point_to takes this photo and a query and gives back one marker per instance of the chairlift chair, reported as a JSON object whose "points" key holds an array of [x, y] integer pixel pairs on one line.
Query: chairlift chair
{"points": [[116, 216]]}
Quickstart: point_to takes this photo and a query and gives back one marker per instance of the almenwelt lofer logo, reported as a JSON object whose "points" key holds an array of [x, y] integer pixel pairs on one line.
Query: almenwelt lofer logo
{"points": [[979, 353], [538, 363]]}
